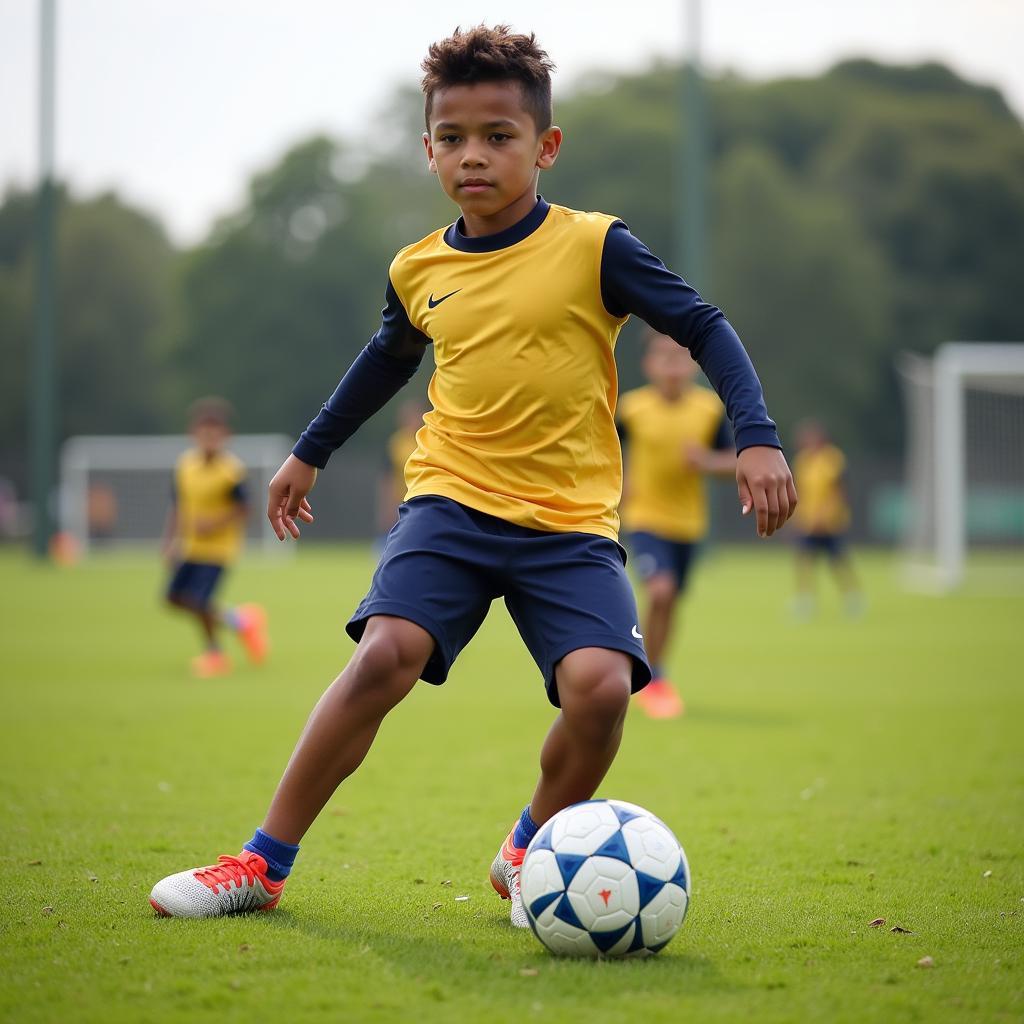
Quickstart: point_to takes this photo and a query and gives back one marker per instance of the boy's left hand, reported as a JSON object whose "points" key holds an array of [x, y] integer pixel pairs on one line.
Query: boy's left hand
{"points": [[765, 485]]}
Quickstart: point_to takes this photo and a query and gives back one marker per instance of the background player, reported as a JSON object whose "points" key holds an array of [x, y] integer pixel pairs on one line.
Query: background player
{"points": [[514, 486], [822, 518], [401, 444], [674, 432], [204, 532]]}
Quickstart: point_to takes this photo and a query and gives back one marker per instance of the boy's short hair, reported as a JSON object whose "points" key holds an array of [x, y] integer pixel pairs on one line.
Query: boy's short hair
{"points": [[211, 409], [482, 54]]}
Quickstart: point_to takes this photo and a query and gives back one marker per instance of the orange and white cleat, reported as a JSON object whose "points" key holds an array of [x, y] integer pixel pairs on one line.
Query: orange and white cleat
{"points": [[505, 879], [234, 885], [252, 631], [659, 699], [211, 664]]}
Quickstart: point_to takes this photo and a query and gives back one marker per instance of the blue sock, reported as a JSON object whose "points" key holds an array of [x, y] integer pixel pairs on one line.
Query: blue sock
{"points": [[279, 856], [525, 830], [656, 672], [232, 618]]}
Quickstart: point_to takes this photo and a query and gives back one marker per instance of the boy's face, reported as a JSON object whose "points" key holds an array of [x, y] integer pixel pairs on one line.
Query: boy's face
{"points": [[667, 365], [484, 147], [210, 436]]}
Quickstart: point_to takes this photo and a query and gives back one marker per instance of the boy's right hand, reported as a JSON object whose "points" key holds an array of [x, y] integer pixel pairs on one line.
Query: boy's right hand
{"points": [[287, 500]]}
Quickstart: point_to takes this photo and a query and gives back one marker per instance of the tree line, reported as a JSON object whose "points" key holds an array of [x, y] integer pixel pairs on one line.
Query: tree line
{"points": [[853, 215]]}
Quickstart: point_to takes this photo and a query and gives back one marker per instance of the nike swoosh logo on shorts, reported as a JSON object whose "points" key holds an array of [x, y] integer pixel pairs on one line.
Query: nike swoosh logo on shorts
{"points": [[639, 636], [432, 302]]}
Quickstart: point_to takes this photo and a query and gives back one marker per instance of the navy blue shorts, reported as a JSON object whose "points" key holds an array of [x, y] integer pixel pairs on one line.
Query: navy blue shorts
{"points": [[653, 555], [194, 583], [831, 544], [443, 564]]}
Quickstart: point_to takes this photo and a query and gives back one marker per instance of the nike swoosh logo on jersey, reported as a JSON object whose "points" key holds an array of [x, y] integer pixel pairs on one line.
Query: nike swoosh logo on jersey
{"points": [[432, 302], [637, 634]]}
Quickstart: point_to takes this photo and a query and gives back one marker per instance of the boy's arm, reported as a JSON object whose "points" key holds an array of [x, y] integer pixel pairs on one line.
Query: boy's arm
{"points": [[239, 511], [169, 541], [633, 280], [387, 363], [720, 458]]}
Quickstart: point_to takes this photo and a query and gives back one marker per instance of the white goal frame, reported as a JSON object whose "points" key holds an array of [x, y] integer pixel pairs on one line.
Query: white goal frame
{"points": [[955, 367], [86, 454]]}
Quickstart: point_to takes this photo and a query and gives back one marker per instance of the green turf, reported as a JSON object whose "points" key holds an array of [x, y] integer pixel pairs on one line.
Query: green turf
{"points": [[826, 774]]}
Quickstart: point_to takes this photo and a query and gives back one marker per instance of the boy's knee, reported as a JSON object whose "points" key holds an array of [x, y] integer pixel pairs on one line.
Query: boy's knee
{"points": [[595, 684], [392, 649], [662, 589]]}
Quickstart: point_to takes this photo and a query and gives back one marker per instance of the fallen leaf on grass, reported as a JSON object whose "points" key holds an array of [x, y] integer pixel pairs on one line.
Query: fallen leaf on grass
{"points": [[461, 899], [528, 972], [986, 874], [926, 961], [91, 876], [244, 947], [34, 863], [877, 923], [417, 881], [437, 906], [447, 881], [900, 930], [47, 910]]}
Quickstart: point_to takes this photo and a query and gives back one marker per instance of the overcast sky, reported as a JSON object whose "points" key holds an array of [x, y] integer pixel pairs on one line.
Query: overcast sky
{"points": [[175, 102]]}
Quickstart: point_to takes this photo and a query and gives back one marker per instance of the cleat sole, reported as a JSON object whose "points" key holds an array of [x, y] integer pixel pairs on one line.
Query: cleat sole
{"points": [[160, 910]]}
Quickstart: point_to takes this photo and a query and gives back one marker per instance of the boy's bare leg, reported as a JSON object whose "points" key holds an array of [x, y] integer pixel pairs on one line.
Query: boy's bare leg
{"points": [[386, 665], [594, 686], [206, 618], [661, 604], [805, 574]]}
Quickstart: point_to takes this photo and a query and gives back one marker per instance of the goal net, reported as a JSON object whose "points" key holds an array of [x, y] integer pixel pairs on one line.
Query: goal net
{"points": [[117, 490], [964, 463]]}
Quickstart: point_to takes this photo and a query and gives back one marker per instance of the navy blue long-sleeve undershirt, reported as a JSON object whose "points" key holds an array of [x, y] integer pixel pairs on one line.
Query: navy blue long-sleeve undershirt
{"points": [[633, 281]]}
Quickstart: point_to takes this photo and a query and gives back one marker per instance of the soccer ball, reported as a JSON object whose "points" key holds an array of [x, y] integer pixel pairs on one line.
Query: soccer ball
{"points": [[604, 879]]}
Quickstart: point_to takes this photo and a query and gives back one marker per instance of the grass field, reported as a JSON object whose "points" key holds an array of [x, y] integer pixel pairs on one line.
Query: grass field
{"points": [[825, 775]]}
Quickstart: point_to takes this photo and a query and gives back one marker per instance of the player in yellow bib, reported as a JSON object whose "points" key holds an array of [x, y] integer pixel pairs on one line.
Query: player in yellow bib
{"points": [[822, 518], [674, 432], [514, 487], [400, 446], [204, 533]]}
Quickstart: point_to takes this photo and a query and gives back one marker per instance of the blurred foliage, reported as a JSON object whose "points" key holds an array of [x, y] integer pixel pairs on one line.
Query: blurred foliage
{"points": [[114, 300], [868, 210]]}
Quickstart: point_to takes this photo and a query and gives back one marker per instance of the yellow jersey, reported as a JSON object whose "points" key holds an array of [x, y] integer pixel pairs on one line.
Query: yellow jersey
{"points": [[663, 495], [523, 394], [523, 325], [818, 474], [208, 488]]}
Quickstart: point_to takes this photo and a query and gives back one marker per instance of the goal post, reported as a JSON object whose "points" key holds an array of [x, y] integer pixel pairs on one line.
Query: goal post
{"points": [[116, 490], [964, 455]]}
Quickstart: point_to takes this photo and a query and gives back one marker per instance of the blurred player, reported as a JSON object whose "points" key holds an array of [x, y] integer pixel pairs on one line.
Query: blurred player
{"points": [[204, 532], [514, 486], [674, 432], [822, 518], [401, 445]]}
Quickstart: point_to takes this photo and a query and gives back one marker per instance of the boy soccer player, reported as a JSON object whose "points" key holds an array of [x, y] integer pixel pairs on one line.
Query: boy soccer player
{"points": [[823, 518], [515, 481], [204, 532], [673, 432]]}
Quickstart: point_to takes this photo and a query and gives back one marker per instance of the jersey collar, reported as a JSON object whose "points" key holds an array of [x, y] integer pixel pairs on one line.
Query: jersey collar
{"points": [[454, 236]]}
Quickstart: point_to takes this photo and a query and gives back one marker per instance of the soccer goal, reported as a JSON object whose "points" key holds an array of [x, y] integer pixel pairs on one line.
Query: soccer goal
{"points": [[964, 462], [116, 491]]}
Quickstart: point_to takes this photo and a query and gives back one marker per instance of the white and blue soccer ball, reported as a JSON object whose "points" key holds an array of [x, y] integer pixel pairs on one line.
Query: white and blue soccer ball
{"points": [[605, 878]]}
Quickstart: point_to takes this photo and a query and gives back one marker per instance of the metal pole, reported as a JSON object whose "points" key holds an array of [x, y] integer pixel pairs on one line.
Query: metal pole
{"points": [[691, 184], [43, 384]]}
